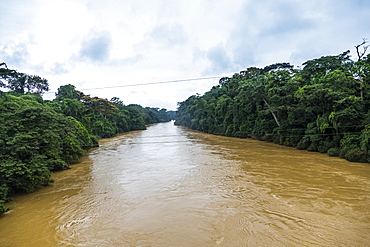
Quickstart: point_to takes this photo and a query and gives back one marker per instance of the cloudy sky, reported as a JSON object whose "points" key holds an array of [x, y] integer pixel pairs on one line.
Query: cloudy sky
{"points": [[104, 47]]}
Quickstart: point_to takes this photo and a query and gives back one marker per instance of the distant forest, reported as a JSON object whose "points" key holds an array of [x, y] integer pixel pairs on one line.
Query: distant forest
{"points": [[323, 106], [38, 137]]}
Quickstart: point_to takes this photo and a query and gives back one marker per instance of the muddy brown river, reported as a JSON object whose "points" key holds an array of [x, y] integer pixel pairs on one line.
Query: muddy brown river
{"points": [[170, 186]]}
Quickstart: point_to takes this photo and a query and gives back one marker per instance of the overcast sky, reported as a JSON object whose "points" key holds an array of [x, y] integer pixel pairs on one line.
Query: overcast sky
{"points": [[108, 44]]}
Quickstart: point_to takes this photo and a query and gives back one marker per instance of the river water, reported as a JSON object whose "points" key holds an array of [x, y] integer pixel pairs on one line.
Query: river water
{"points": [[170, 186]]}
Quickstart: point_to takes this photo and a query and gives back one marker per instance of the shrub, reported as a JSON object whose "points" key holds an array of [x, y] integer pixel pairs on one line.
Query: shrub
{"points": [[313, 147], [324, 146], [276, 140], [303, 144], [334, 152], [343, 152], [356, 155], [4, 197], [268, 138]]}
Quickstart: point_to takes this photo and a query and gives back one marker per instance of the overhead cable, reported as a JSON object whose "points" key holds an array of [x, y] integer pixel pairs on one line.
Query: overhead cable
{"points": [[150, 83]]}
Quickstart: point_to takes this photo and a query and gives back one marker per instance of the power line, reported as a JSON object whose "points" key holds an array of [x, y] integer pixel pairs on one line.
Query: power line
{"points": [[151, 83], [159, 82]]}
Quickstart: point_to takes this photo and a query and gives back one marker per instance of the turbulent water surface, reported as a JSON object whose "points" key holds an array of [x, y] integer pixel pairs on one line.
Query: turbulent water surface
{"points": [[170, 186]]}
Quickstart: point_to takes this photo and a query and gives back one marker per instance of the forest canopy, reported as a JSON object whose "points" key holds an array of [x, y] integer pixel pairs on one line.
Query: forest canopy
{"points": [[323, 106], [38, 137]]}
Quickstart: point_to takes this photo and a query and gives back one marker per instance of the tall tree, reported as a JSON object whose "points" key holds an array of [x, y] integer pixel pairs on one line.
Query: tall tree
{"points": [[5, 74], [68, 92], [23, 83], [360, 65]]}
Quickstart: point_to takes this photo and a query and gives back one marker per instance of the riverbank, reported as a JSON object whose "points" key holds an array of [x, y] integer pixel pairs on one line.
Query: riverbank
{"points": [[172, 186], [38, 137]]}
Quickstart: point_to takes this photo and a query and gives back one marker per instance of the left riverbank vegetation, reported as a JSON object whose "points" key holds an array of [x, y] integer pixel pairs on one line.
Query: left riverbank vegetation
{"points": [[38, 137], [323, 106]]}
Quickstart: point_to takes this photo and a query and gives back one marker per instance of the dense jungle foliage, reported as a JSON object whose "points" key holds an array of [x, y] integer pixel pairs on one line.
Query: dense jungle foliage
{"points": [[38, 137], [324, 106]]}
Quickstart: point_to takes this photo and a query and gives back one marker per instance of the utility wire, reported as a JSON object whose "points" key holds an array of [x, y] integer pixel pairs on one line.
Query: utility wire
{"points": [[159, 82], [151, 83]]}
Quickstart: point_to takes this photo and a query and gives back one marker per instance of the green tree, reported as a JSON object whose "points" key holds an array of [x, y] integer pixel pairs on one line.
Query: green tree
{"points": [[35, 140], [68, 92], [23, 83], [5, 74], [322, 107]]}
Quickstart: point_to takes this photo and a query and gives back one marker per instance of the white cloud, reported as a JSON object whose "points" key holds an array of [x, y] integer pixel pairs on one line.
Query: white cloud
{"points": [[96, 47], [15, 54], [93, 44], [220, 60]]}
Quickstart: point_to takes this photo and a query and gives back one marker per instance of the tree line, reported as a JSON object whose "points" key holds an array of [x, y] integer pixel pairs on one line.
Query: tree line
{"points": [[39, 136], [323, 106]]}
